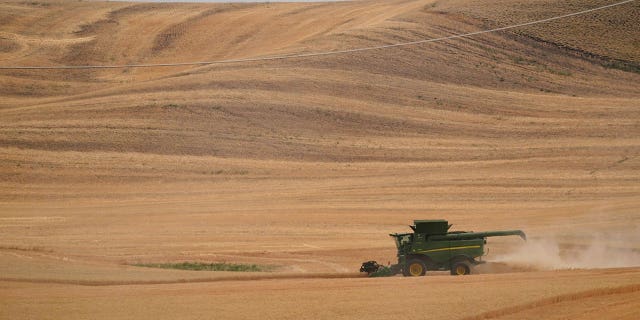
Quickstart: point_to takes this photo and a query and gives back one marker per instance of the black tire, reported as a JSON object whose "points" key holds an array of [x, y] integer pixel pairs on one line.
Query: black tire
{"points": [[460, 268], [414, 268]]}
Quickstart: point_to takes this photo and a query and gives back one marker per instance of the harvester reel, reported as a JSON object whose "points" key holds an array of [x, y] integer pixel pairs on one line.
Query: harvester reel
{"points": [[370, 267]]}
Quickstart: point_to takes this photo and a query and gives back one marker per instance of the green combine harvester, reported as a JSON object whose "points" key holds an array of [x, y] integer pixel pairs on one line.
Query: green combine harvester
{"points": [[431, 246]]}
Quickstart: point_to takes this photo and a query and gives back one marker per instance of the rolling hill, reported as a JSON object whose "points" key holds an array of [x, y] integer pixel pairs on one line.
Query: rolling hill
{"points": [[307, 163]]}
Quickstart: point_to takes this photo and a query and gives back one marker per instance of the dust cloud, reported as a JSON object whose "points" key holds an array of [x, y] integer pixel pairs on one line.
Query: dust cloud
{"points": [[591, 251]]}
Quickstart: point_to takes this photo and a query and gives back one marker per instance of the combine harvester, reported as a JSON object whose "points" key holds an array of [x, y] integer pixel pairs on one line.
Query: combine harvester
{"points": [[432, 246]]}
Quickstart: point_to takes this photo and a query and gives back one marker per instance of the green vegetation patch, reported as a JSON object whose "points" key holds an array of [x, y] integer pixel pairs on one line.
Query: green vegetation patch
{"points": [[386, 271], [216, 266]]}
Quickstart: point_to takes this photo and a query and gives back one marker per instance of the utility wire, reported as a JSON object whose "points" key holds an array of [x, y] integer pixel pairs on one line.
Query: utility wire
{"points": [[316, 54]]}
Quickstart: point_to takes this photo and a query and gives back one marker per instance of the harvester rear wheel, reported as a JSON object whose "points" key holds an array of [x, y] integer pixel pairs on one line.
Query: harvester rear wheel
{"points": [[415, 268], [460, 268]]}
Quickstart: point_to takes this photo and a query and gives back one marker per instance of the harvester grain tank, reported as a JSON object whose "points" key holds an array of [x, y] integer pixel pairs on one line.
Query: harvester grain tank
{"points": [[431, 246]]}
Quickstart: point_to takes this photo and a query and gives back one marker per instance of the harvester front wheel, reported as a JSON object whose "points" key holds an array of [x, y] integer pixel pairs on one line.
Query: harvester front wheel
{"points": [[415, 268], [460, 268]]}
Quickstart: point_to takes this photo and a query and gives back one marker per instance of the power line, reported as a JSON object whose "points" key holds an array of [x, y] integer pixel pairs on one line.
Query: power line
{"points": [[317, 54]]}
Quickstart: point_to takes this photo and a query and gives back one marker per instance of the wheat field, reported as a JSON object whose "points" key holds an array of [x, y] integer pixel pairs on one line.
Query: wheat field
{"points": [[305, 165]]}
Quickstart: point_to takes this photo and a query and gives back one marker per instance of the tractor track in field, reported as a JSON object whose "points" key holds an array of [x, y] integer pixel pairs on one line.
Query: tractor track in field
{"points": [[103, 283], [546, 302]]}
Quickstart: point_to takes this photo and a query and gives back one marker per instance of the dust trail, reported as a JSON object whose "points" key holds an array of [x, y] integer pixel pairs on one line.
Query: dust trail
{"points": [[589, 251]]}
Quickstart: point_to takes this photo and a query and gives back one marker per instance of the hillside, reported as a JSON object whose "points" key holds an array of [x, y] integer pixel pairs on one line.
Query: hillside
{"points": [[307, 164]]}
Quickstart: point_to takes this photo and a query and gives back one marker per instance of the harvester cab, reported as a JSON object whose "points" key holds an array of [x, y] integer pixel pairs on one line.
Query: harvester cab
{"points": [[433, 247]]}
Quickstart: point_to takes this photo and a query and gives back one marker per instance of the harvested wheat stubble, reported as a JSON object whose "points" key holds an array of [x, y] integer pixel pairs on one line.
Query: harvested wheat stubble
{"points": [[308, 164]]}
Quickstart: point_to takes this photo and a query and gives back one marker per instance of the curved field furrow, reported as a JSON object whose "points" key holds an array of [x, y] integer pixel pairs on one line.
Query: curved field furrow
{"points": [[305, 165], [519, 311]]}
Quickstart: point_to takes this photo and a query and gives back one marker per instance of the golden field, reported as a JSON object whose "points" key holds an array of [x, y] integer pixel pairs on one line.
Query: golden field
{"points": [[307, 164]]}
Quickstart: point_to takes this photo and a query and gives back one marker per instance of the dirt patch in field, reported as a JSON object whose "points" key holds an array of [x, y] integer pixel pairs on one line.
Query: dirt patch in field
{"points": [[8, 45]]}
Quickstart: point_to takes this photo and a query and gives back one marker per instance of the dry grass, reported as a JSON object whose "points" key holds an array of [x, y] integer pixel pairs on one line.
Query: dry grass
{"points": [[308, 164], [608, 33]]}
